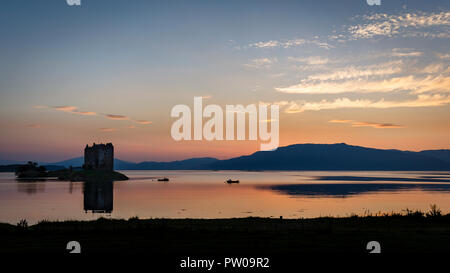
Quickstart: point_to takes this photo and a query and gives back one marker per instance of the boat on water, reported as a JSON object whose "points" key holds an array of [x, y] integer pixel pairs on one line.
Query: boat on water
{"points": [[165, 179], [229, 181]]}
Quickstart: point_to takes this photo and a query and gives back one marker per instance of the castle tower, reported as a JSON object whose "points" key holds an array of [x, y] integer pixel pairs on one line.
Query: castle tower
{"points": [[99, 157]]}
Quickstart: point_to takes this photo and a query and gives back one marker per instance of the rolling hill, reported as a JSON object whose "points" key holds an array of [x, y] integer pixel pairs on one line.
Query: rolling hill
{"points": [[300, 157]]}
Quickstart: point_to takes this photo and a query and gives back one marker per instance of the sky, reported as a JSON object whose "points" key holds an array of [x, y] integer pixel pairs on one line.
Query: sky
{"points": [[111, 71]]}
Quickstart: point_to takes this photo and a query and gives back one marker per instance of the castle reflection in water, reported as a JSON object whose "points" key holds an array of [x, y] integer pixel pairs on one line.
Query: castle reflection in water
{"points": [[98, 196]]}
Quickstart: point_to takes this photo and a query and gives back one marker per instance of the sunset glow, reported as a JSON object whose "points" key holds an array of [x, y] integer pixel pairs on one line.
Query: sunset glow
{"points": [[364, 75]]}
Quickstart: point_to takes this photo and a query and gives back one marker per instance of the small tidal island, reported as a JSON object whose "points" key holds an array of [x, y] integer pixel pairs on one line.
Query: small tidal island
{"points": [[98, 166]]}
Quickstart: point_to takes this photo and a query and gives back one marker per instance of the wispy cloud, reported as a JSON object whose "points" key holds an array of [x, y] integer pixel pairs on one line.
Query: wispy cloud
{"points": [[108, 129], [428, 25], [70, 109], [261, 63], [415, 24], [65, 108], [351, 72], [74, 110], [406, 52], [290, 43], [116, 117], [376, 125], [340, 121], [423, 100], [85, 113], [367, 124], [145, 122], [440, 83], [432, 68], [312, 60], [444, 56]]}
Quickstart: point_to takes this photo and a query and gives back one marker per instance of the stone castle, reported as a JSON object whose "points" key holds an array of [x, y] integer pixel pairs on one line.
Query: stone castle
{"points": [[99, 157]]}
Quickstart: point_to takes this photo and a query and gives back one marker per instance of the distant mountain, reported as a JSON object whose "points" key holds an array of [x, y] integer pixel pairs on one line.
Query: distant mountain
{"points": [[9, 168], [10, 162], [299, 157], [202, 163], [333, 157], [439, 154], [74, 162], [14, 167], [79, 161], [188, 164]]}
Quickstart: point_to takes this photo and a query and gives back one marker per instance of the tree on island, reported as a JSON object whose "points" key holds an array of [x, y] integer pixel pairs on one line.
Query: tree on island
{"points": [[30, 170]]}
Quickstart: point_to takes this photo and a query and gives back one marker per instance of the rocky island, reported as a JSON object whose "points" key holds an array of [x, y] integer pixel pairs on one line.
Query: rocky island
{"points": [[98, 165]]}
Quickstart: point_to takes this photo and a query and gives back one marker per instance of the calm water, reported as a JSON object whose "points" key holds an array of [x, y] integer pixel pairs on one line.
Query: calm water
{"points": [[203, 194]]}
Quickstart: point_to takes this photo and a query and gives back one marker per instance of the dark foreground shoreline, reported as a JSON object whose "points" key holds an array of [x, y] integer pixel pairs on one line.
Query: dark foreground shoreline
{"points": [[397, 234]]}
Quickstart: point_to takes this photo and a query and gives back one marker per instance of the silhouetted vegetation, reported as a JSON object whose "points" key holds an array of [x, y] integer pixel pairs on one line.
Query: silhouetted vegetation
{"points": [[23, 224], [434, 211], [407, 232], [31, 170]]}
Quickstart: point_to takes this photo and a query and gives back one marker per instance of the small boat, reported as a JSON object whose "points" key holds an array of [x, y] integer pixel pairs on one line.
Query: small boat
{"points": [[229, 181], [165, 179]]}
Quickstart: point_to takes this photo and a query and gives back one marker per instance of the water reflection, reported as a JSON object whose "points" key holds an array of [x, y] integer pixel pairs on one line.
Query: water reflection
{"points": [[30, 186], [438, 179], [201, 194], [98, 196], [345, 190]]}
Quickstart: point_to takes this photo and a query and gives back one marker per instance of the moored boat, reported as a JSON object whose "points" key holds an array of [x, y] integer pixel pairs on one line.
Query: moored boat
{"points": [[230, 181]]}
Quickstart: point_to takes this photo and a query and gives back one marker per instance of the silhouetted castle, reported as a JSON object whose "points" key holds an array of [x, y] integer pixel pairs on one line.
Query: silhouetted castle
{"points": [[99, 157]]}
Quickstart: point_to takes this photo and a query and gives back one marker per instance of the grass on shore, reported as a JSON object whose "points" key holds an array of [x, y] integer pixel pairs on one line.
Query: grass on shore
{"points": [[409, 232]]}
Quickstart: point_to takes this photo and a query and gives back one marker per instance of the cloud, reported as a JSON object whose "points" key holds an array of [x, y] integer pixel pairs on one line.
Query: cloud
{"points": [[406, 52], [367, 124], [65, 108], [432, 68], [116, 117], [340, 121], [267, 44], [444, 56], [382, 69], [312, 60], [422, 100], [108, 129], [423, 24], [145, 122], [74, 110], [427, 35], [376, 125], [262, 63], [85, 113], [290, 43], [439, 83], [427, 25]]}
